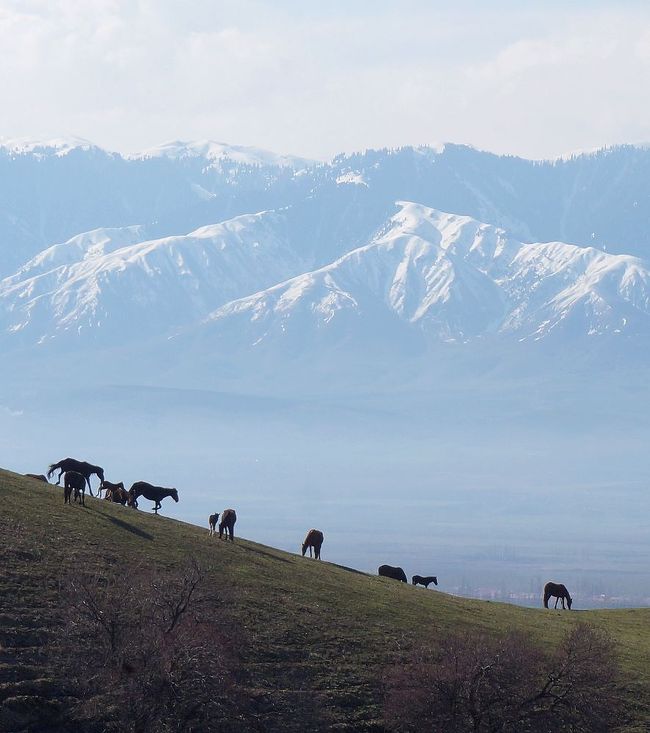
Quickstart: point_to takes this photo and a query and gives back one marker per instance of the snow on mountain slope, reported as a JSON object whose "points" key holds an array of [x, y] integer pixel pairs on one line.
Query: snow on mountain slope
{"points": [[444, 277], [87, 245], [103, 287], [216, 151], [247, 284], [37, 147]]}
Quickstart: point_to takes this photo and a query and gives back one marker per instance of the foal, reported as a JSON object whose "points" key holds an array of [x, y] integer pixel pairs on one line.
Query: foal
{"points": [[212, 521]]}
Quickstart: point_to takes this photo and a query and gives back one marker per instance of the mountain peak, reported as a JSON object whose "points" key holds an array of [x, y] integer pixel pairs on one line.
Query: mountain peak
{"points": [[58, 146], [214, 151]]}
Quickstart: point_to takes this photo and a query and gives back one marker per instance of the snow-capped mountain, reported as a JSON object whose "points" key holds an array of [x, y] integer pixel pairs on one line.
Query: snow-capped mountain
{"points": [[221, 252], [51, 190], [432, 277], [423, 277], [109, 286], [216, 152]]}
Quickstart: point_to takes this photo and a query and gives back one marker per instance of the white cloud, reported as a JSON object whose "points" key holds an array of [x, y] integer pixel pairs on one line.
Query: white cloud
{"points": [[297, 78]]}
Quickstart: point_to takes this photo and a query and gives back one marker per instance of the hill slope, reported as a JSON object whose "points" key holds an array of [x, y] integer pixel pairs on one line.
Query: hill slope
{"points": [[317, 629]]}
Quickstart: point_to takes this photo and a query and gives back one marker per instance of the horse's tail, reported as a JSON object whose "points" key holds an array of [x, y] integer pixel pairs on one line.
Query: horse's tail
{"points": [[547, 595]]}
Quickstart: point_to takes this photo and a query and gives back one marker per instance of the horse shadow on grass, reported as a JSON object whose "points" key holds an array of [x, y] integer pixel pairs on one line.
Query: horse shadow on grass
{"points": [[129, 527], [267, 554], [349, 570]]}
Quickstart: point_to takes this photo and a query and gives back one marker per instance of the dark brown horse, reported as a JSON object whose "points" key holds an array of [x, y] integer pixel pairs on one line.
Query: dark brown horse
{"points": [[37, 476], [151, 492], [388, 571], [212, 521], [227, 524], [313, 539], [559, 592], [115, 492], [77, 481], [424, 580], [71, 464]]}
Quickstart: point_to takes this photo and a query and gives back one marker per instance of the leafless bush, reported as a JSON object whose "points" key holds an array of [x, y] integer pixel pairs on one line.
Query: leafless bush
{"points": [[476, 684], [148, 651]]}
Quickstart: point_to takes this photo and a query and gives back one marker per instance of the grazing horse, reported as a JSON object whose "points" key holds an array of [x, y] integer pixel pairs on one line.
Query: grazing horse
{"points": [[212, 521], [76, 481], [37, 476], [313, 539], [85, 469], [388, 571], [424, 580], [559, 591], [227, 524], [153, 493], [115, 492]]}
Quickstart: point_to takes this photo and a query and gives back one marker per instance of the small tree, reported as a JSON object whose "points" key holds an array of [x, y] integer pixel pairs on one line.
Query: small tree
{"points": [[473, 683], [148, 651]]}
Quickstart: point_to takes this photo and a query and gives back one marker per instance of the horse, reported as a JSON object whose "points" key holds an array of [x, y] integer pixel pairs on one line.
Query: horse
{"points": [[388, 571], [212, 521], [37, 476], [153, 493], [424, 580], [85, 469], [560, 593], [313, 539], [115, 492], [227, 523], [76, 481]]}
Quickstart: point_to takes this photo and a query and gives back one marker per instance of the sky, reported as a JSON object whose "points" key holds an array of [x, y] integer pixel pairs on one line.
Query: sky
{"points": [[537, 79]]}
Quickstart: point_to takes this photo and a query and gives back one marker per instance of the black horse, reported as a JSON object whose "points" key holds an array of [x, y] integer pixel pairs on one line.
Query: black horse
{"points": [[227, 524], [212, 521], [153, 493], [558, 591], [424, 580], [77, 481], [388, 571], [85, 469]]}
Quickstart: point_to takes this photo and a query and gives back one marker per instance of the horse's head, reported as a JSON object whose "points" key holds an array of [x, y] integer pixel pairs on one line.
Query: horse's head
{"points": [[304, 548], [174, 495], [120, 486], [435, 580], [569, 601]]}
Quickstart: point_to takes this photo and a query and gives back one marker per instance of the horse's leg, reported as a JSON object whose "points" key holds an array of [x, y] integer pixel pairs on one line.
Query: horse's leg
{"points": [[557, 598], [563, 606]]}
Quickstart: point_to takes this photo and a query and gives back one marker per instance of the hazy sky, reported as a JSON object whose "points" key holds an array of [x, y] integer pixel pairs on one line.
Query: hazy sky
{"points": [[316, 78]]}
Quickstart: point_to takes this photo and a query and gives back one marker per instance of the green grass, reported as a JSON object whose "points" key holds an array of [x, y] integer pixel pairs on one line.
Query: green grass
{"points": [[315, 628]]}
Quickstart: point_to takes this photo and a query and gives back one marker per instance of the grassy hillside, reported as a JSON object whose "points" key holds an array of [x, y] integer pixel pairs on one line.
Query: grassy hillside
{"points": [[316, 628]]}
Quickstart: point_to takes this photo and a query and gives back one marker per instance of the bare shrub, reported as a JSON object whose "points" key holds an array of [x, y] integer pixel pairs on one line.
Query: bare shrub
{"points": [[148, 651], [473, 683]]}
